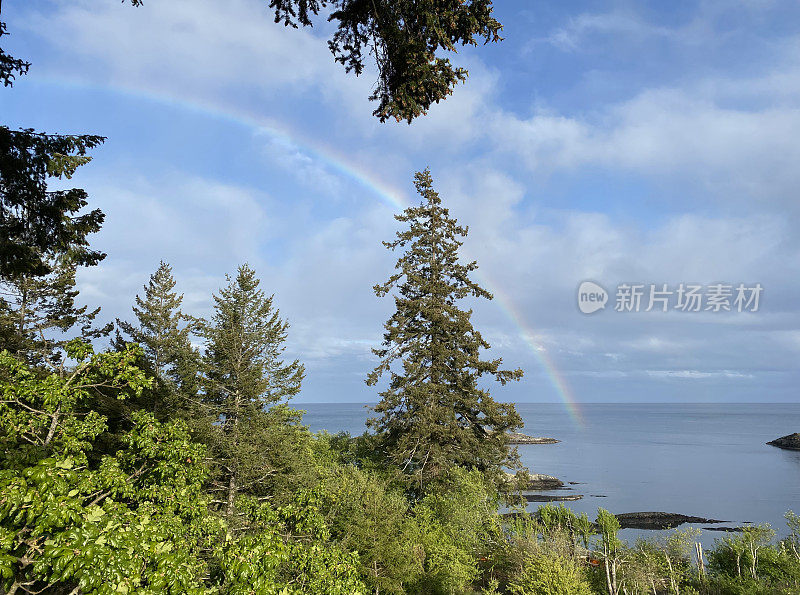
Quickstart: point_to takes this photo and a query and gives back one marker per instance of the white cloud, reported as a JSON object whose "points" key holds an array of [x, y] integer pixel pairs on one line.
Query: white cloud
{"points": [[696, 374], [571, 36], [201, 227], [185, 44], [734, 154]]}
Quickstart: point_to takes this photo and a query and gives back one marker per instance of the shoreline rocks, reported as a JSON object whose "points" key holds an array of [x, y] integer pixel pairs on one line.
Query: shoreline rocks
{"points": [[518, 438], [549, 498], [653, 521], [789, 442], [659, 520], [532, 482]]}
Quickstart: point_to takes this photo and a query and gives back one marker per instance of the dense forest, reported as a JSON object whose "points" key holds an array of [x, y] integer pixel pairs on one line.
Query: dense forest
{"points": [[160, 454]]}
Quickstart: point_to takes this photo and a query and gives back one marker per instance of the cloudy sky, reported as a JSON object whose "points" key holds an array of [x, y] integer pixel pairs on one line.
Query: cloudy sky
{"points": [[619, 141]]}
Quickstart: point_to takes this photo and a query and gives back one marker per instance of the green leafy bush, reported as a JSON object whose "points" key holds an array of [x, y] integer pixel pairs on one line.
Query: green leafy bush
{"points": [[551, 575]]}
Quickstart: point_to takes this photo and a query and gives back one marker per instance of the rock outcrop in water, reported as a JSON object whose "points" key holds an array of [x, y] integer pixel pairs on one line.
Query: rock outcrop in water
{"points": [[532, 481], [790, 442], [659, 520], [644, 520], [517, 438], [550, 498]]}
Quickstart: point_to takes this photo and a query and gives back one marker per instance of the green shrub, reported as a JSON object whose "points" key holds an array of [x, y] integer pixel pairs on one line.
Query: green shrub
{"points": [[551, 575], [369, 516]]}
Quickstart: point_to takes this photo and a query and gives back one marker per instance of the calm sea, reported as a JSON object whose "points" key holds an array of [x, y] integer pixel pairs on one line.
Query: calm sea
{"points": [[706, 460]]}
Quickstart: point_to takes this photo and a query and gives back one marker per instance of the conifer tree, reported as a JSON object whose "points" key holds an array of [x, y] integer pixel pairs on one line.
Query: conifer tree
{"points": [[433, 415], [165, 333], [39, 315], [247, 386], [37, 223]]}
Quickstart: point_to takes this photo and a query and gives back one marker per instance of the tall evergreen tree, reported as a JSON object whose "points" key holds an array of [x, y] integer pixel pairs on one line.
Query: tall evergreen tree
{"points": [[165, 333], [433, 415], [247, 386], [39, 315], [37, 223]]}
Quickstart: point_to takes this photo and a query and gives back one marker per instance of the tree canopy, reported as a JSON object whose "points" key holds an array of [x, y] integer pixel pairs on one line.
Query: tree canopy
{"points": [[165, 333], [246, 382], [406, 39]]}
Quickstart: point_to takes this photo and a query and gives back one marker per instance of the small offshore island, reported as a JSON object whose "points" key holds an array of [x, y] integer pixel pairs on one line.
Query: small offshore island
{"points": [[516, 438], [788, 442]]}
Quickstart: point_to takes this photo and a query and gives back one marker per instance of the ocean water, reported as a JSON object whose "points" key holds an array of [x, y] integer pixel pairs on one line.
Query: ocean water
{"points": [[705, 460]]}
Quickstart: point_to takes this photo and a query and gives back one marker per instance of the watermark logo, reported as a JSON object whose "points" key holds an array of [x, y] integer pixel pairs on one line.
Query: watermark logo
{"points": [[684, 297], [591, 297]]}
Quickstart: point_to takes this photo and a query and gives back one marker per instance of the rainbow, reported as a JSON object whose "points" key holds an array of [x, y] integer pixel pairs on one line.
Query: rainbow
{"points": [[343, 165], [528, 335]]}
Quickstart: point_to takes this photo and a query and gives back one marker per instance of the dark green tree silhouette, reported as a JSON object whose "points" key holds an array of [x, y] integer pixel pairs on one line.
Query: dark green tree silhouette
{"points": [[406, 39]]}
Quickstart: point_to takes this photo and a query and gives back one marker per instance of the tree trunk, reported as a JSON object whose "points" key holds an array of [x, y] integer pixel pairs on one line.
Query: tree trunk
{"points": [[701, 570], [231, 495], [53, 426], [611, 579], [671, 574], [232, 487], [614, 577]]}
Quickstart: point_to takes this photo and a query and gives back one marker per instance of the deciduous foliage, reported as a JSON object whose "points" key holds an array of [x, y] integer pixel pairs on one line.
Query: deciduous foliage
{"points": [[123, 524], [610, 547], [433, 415], [551, 575], [137, 520], [370, 515], [286, 551]]}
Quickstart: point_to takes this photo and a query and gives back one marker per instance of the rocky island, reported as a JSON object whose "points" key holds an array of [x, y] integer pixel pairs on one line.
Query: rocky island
{"points": [[531, 481], [659, 520], [790, 442], [517, 438], [551, 498]]}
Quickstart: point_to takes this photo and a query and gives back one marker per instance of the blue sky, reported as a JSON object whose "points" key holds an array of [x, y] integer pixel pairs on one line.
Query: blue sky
{"points": [[643, 142]]}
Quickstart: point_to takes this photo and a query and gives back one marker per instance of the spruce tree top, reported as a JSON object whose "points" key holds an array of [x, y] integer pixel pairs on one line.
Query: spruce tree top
{"points": [[244, 346]]}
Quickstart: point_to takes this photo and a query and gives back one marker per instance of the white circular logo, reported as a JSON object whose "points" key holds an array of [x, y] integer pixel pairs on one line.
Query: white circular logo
{"points": [[591, 297]]}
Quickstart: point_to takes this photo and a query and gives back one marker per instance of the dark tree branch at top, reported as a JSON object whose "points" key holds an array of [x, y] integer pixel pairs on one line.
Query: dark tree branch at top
{"points": [[405, 38]]}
